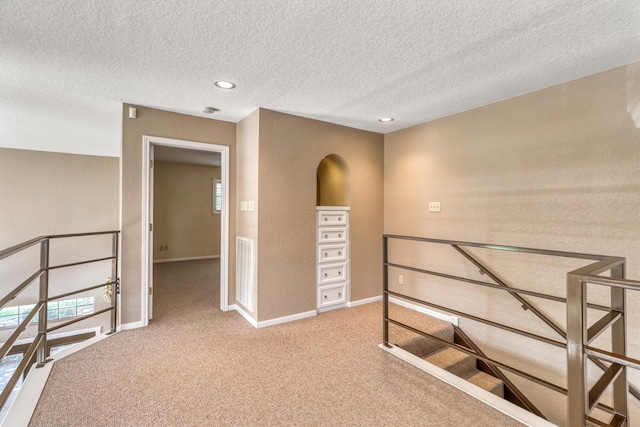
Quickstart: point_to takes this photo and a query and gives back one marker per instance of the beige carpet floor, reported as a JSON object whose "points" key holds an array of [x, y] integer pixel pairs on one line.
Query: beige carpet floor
{"points": [[197, 366]]}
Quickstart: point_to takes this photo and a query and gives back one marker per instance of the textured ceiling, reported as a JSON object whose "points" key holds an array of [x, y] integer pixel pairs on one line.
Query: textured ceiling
{"points": [[66, 66]]}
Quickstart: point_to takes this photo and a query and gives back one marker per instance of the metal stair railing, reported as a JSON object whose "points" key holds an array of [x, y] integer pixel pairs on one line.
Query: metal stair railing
{"points": [[527, 305], [581, 400], [37, 350]]}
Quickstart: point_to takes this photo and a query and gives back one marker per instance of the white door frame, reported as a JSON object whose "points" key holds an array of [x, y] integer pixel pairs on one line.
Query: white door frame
{"points": [[147, 253]]}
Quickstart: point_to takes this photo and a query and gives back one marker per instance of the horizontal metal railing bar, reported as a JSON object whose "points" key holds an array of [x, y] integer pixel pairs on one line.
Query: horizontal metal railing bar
{"points": [[598, 307], [11, 295], [612, 357], [24, 245], [4, 350], [82, 290], [20, 247], [480, 320], [598, 267], [20, 369], [479, 282], [633, 285], [499, 247], [92, 233], [601, 385], [55, 267], [79, 319], [601, 325], [483, 358]]}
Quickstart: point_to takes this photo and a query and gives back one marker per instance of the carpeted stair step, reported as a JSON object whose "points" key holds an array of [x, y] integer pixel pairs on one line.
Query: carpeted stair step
{"points": [[453, 361], [464, 366], [487, 382], [412, 342]]}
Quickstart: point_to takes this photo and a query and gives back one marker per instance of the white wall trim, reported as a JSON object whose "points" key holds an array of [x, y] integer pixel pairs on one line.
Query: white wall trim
{"points": [[502, 405], [286, 319], [244, 314], [272, 322], [420, 309], [364, 301], [223, 150], [333, 208], [132, 325], [192, 258]]}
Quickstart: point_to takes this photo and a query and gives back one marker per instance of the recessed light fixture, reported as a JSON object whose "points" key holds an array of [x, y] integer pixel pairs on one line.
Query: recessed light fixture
{"points": [[224, 84], [385, 119], [209, 110]]}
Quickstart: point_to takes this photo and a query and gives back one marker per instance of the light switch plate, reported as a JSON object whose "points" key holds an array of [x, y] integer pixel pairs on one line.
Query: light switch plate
{"points": [[434, 206]]}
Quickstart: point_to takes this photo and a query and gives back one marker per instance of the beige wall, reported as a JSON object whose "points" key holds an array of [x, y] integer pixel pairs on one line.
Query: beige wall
{"points": [[291, 149], [46, 193], [160, 123], [182, 214], [247, 185], [555, 169]]}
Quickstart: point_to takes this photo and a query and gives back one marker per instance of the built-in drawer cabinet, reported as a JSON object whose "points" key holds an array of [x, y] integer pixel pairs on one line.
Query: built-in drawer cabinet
{"points": [[332, 253], [332, 218], [332, 281], [328, 273], [331, 295], [332, 234]]}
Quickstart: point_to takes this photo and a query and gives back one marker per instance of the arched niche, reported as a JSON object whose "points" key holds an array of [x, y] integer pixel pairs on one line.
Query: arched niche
{"points": [[333, 182]]}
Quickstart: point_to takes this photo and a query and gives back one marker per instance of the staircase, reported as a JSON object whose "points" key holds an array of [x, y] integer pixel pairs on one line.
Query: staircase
{"points": [[437, 353]]}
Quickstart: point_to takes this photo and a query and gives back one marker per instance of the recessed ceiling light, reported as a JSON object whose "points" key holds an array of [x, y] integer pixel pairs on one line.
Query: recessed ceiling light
{"points": [[209, 110], [223, 84], [385, 119]]}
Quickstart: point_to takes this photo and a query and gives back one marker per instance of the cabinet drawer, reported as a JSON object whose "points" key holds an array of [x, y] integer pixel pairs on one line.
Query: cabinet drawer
{"points": [[332, 273], [332, 218], [332, 253], [330, 235], [331, 295]]}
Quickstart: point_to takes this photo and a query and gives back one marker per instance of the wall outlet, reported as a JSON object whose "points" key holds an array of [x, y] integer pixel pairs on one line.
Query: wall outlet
{"points": [[434, 206], [161, 248], [400, 279]]}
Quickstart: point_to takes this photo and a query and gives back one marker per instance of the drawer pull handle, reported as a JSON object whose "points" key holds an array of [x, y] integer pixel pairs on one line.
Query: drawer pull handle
{"points": [[326, 236], [325, 297], [340, 294], [339, 235], [339, 253], [325, 274], [326, 219], [339, 273], [326, 254], [339, 218]]}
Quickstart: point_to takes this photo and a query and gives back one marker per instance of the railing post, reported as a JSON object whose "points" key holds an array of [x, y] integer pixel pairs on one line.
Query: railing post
{"points": [[41, 352], [618, 341], [576, 338], [114, 278], [385, 294]]}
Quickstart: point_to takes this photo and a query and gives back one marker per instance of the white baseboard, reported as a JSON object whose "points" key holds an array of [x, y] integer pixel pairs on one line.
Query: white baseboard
{"points": [[271, 322], [193, 258], [502, 405], [420, 309], [285, 319], [132, 325], [364, 301]]}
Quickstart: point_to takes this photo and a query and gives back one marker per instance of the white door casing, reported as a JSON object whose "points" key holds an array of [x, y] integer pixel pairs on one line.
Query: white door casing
{"points": [[147, 211]]}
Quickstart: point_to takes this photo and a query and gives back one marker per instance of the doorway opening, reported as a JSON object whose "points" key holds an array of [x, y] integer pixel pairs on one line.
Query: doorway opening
{"points": [[157, 149]]}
